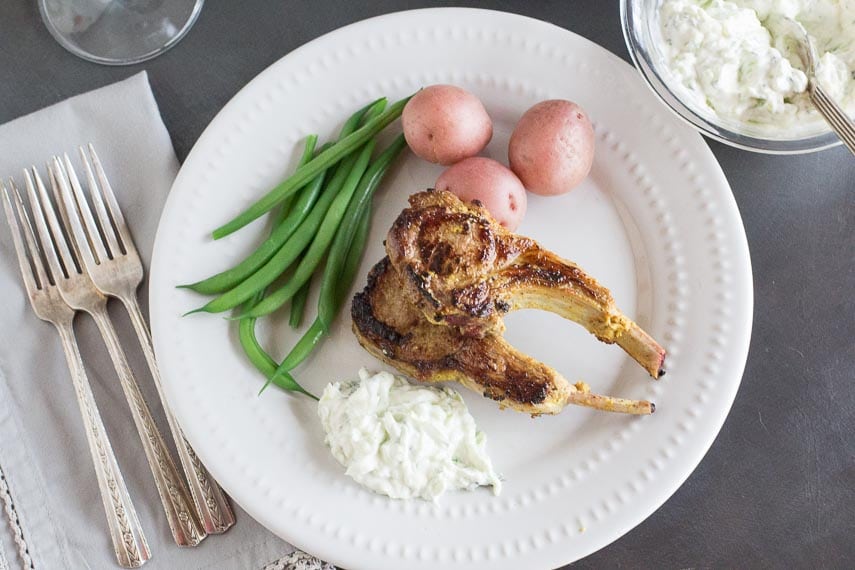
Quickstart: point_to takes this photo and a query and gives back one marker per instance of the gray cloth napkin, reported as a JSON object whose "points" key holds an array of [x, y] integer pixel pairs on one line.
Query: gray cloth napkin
{"points": [[51, 493]]}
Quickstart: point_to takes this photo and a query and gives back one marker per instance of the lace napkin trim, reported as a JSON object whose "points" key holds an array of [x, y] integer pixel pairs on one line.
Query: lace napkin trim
{"points": [[15, 523], [299, 560]]}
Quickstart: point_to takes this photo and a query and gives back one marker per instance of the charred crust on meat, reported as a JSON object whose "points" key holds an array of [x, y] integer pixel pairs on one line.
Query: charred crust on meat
{"points": [[522, 388], [376, 272], [515, 388], [546, 273], [422, 285], [363, 317], [425, 367], [497, 396], [552, 275], [489, 252], [362, 311]]}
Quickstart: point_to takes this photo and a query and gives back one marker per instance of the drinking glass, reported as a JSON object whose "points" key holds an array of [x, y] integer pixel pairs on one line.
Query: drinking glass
{"points": [[119, 32]]}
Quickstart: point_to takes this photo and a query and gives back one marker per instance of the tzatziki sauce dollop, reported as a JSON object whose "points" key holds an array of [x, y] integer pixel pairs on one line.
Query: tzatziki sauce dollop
{"points": [[736, 58], [404, 440]]}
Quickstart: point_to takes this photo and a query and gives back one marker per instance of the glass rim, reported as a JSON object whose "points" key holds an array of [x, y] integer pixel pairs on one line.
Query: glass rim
{"points": [[83, 54]]}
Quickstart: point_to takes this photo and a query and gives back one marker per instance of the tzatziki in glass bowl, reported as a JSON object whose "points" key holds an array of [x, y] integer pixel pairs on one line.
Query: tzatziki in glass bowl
{"points": [[728, 68]]}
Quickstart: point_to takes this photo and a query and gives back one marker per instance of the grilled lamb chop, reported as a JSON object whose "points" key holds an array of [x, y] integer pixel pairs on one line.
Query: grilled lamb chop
{"points": [[390, 326], [468, 271]]}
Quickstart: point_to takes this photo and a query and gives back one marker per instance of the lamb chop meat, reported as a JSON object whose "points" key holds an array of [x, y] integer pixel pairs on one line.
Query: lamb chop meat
{"points": [[390, 325], [466, 271]]}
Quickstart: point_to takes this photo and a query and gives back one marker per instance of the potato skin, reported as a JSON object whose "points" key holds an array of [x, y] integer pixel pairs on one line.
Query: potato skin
{"points": [[491, 183], [445, 124], [552, 147]]}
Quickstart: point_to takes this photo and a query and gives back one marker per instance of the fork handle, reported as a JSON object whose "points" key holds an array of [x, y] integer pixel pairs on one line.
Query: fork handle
{"points": [[210, 500], [129, 543], [174, 495], [834, 115]]}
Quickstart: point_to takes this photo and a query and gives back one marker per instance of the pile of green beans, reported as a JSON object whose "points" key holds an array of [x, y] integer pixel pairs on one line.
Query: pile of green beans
{"points": [[344, 147], [323, 221]]}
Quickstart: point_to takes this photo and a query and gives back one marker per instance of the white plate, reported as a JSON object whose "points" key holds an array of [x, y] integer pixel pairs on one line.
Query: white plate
{"points": [[655, 222]]}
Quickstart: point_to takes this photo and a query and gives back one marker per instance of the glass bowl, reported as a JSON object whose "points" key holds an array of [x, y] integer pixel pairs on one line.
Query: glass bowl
{"points": [[640, 23]]}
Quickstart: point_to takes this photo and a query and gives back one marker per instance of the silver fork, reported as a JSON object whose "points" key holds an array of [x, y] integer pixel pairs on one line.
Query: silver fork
{"points": [[77, 290], [129, 543], [839, 121], [112, 261]]}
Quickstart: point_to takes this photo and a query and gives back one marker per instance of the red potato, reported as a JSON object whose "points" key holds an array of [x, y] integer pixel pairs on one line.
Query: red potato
{"points": [[552, 147], [489, 182], [445, 124]]}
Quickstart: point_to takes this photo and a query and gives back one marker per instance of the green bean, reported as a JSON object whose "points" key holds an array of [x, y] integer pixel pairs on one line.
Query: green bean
{"points": [[354, 255], [287, 253], [313, 336], [356, 120], [317, 331], [261, 360], [257, 355], [327, 306], [225, 280], [246, 330], [253, 349], [300, 238], [302, 201], [298, 305], [322, 239], [276, 265], [285, 208], [297, 355], [284, 381], [302, 175], [345, 271], [353, 122]]}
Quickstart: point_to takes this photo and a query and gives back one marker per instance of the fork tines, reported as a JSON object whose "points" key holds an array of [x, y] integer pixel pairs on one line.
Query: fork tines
{"points": [[110, 236], [29, 257]]}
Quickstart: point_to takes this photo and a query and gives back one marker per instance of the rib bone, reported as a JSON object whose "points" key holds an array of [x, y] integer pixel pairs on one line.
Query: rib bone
{"points": [[390, 326], [467, 272]]}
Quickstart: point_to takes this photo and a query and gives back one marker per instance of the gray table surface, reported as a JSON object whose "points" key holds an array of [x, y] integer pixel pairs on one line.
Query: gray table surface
{"points": [[777, 489]]}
